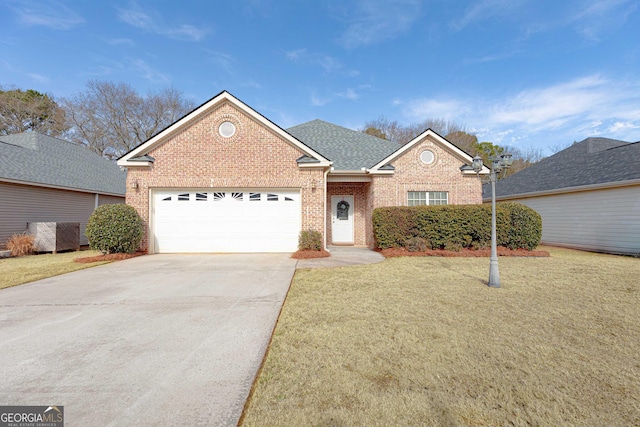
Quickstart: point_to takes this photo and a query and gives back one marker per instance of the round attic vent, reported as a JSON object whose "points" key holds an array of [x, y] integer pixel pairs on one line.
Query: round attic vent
{"points": [[427, 157], [227, 129]]}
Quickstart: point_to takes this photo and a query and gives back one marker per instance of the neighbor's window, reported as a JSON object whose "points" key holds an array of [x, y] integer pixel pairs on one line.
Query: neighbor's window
{"points": [[417, 198]]}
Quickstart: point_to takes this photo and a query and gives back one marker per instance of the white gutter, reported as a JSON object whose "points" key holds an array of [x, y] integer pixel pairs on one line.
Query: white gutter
{"points": [[59, 187], [326, 172]]}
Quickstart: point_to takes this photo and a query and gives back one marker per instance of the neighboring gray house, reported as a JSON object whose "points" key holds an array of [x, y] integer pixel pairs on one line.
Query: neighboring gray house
{"points": [[45, 179], [588, 195]]}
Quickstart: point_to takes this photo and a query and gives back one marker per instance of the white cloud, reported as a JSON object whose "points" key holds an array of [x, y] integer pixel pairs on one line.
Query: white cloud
{"points": [[50, 14], [596, 17], [353, 94], [485, 9], [295, 54], [252, 84], [150, 74], [222, 60], [317, 100], [186, 32], [552, 106], [425, 108], [39, 78], [120, 42], [328, 63], [621, 126], [373, 21], [543, 116], [152, 22]]}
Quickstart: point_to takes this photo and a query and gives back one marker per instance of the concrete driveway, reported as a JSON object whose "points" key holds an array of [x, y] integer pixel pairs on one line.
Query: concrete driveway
{"points": [[153, 340]]}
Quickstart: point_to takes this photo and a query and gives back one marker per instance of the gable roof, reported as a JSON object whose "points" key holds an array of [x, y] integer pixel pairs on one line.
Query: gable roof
{"points": [[349, 150], [593, 161], [36, 159], [462, 155], [139, 155]]}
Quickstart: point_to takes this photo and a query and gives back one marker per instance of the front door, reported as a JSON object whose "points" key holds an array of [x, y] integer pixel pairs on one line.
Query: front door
{"points": [[342, 219]]}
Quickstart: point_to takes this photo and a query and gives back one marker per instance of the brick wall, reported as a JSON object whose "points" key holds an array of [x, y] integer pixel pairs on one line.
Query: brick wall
{"points": [[255, 157], [411, 174]]}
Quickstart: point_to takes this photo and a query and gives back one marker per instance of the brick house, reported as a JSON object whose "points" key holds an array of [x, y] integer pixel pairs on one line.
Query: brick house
{"points": [[224, 178]]}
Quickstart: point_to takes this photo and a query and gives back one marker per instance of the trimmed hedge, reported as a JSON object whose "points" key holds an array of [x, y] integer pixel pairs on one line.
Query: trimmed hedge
{"points": [[454, 227], [114, 229]]}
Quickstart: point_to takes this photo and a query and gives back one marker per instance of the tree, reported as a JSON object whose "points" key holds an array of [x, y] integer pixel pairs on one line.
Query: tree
{"points": [[30, 110], [455, 133], [392, 130], [375, 132], [400, 133], [112, 118], [464, 141], [522, 159]]}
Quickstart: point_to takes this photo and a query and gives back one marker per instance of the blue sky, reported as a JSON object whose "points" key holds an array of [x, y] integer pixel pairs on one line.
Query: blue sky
{"points": [[530, 74]]}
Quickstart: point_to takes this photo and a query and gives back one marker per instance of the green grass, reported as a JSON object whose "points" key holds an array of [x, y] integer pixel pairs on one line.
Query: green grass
{"points": [[423, 341], [19, 270]]}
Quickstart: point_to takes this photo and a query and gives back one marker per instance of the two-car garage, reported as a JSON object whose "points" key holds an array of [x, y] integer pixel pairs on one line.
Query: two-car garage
{"points": [[225, 220]]}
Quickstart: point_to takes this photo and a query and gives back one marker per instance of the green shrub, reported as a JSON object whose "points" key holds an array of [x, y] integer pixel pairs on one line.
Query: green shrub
{"points": [[310, 240], [454, 227], [114, 229], [391, 226], [525, 228]]}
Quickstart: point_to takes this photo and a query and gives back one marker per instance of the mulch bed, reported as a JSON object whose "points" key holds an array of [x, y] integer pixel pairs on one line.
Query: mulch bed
{"points": [[396, 252], [310, 254], [107, 257]]}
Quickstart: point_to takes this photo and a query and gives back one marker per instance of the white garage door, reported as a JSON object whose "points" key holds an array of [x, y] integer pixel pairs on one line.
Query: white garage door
{"points": [[235, 220]]}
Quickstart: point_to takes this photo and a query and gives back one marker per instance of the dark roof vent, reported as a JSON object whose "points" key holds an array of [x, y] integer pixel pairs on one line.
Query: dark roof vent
{"points": [[145, 158], [307, 159]]}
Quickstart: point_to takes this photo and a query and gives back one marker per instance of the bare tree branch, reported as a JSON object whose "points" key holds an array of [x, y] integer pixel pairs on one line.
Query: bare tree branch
{"points": [[112, 118]]}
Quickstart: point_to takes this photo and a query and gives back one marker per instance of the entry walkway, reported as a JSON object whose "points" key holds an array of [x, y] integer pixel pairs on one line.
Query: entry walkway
{"points": [[342, 256]]}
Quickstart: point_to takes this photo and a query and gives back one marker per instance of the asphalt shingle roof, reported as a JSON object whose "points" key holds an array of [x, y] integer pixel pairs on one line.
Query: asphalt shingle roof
{"points": [[346, 148], [35, 158], [588, 162]]}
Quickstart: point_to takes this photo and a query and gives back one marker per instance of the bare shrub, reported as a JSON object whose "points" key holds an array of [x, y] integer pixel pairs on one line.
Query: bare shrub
{"points": [[417, 244], [21, 244]]}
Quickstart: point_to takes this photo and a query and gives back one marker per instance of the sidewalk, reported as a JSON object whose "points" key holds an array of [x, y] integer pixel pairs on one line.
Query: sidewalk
{"points": [[343, 256]]}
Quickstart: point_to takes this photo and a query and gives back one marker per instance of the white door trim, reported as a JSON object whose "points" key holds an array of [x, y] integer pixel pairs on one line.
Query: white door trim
{"points": [[342, 229]]}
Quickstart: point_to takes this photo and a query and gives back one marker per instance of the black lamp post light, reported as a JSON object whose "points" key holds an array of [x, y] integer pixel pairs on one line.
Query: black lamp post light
{"points": [[497, 165]]}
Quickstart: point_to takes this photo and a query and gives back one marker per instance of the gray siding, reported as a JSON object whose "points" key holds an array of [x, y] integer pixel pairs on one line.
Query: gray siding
{"points": [[601, 220], [20, 204], [109, 200]]}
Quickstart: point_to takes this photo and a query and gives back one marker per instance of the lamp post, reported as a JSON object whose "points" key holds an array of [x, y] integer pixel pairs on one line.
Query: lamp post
{"points": [[498, 164]]}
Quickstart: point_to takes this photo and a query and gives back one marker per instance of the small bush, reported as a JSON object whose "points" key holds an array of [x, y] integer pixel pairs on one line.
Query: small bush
{"points": [[310, 240], [21, 244], [417, 244], [114, 229]]}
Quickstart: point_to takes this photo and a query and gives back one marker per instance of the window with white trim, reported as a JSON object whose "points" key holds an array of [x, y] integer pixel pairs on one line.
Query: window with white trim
{"points": [[417, 198]]}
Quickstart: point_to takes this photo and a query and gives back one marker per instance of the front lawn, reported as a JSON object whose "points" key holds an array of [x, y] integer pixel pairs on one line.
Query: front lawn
{"points": [[19, 270], [423, 341]]}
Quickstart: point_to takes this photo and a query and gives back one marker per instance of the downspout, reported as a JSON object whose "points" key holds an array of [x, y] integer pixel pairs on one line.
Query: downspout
{"points": [[324, 214]]}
